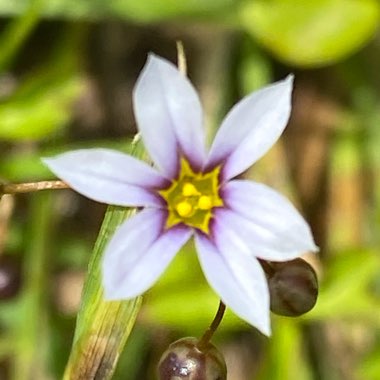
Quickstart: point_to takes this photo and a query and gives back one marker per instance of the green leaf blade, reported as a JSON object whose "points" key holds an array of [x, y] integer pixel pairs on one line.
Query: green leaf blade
{"points": [[313, 33]]}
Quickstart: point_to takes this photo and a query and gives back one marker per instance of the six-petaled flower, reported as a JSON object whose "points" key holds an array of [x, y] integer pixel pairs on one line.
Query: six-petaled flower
{"points": [[192, 192]]}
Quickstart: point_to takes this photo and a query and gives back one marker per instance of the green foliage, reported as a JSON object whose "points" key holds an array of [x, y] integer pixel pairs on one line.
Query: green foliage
{"points": [[149, 10], [198, 303], [39, 107], [27, 165], [301, 33], [255, 70], [311, 33], [370, 367], [307, 34], [17, 31], [285, 359], [22, 338], [346, 290]]}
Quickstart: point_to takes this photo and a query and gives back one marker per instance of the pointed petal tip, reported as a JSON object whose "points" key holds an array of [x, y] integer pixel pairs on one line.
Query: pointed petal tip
{"points": [[152, 58], [252, 127], [289, 78], [169, 115], [53, 161], [314, 248], [311, 247], [262, 325], [288, 83], [151, 64], [50, 162], [47, 160], [266, 330], [155, 60], [308, 244]]}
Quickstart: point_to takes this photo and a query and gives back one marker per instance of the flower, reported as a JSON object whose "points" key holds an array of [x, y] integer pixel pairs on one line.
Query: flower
{"points": [[194, 193]]}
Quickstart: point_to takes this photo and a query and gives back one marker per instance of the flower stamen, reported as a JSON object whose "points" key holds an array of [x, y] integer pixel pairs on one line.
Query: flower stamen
{"points": [[205, 202], [189, 190], [184, 209], [192, 197]]}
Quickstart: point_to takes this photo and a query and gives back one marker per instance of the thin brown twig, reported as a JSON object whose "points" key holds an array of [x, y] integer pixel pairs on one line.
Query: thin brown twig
{"points": [[29, 187]]}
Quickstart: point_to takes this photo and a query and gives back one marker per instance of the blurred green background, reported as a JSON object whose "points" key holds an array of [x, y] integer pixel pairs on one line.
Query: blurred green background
{"points": [[67, 70]]}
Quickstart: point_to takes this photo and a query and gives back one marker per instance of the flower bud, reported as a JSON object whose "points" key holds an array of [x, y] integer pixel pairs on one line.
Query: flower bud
{"points": [[293, 287], [184, 360], [10, 277]]}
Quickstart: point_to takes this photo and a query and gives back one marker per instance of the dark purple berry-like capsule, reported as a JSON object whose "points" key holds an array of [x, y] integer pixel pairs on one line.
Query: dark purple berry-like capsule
{"points": [[293, 287], [185, 360]]}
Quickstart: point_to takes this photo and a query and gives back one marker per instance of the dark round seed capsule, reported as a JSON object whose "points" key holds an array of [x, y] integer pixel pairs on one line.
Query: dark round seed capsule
{"points": [[10, 277], [293, 287], [184, 360]]}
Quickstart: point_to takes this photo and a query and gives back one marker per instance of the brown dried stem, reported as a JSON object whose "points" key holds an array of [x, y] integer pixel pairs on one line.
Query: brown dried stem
{"points": [[30, 187]]}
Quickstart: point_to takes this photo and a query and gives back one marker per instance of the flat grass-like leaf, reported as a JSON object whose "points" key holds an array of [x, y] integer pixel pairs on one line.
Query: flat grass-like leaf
{"points": [[103, 327]]}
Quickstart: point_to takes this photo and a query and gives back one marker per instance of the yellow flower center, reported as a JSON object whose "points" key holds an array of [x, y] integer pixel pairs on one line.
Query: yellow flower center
{"points": [[192, 197]]}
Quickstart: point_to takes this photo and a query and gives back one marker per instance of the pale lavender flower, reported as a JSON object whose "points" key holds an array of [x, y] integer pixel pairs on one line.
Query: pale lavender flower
{"points": [[192, 192]]}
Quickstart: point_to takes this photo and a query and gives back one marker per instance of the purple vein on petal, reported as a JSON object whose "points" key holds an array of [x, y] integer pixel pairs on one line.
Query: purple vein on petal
{"points": [[169, 116], [238, 279], [109, 176], [139, 252], [251, 127], [268, 222]]}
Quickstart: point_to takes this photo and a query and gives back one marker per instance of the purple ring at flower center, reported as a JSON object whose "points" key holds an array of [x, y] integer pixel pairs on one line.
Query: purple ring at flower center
{"points": [[191, 198]]}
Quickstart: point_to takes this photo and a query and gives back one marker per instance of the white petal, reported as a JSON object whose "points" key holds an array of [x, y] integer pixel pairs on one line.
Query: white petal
{"points": [[108, 176], [138, 253], [251, 127], [169, 116], [238, 279], [265, 221]]}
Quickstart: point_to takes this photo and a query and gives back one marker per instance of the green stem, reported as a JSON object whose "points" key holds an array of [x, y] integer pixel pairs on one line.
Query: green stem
{"points": [[32, 329], [204, 341]]}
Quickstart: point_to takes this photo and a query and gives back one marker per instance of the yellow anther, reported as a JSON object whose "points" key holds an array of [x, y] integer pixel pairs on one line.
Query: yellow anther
{"points": [[189, 189], [205, 202], [184, 209]]}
